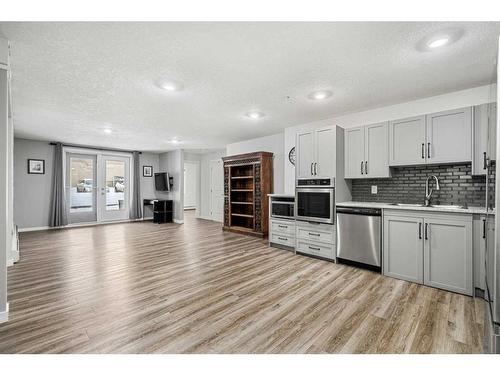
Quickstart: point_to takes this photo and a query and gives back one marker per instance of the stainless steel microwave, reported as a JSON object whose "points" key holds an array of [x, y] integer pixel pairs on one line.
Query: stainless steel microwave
{"points": [[283, 208], [314, 203]]}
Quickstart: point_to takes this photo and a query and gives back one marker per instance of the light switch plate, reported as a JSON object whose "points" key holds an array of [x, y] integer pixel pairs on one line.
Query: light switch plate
{"points": [[374, 189]]}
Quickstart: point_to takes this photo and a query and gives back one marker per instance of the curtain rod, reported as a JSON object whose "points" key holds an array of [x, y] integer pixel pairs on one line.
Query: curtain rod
{"points": [[93, 148]]}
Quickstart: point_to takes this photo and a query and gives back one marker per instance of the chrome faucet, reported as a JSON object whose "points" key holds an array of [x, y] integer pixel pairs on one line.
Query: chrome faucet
{"points": [[428, 192]]}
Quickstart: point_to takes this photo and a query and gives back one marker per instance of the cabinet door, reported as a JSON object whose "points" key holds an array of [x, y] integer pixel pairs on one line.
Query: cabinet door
{"points": [[479, 250], [492, 131], [448, 254], [480, 139], [325, 153], [305, 155], [407, 141], [403, 248], [354, 152], [449, 135], [376, 150]]}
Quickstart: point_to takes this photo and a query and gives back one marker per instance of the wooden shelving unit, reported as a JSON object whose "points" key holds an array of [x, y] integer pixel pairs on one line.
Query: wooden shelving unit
{"points": [[247, 181]]}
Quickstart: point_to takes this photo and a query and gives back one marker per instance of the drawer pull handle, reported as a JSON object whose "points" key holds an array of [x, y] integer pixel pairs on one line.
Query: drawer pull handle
{"points": [[283, 239], [314, 234], [314, 248], [283, 226]]}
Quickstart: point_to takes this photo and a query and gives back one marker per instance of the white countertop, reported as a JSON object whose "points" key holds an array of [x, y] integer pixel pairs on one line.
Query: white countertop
{"points": [[468, 210], [281, 195]]}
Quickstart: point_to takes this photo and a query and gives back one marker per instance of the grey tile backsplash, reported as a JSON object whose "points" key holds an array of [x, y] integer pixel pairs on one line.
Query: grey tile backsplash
{"points": [[407, 185]]}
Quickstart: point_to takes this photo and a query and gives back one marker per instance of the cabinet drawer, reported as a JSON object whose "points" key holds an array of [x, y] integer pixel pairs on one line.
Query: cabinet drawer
{"points": [[313, 248], [282, 227], [283, 239], [315, 235]]}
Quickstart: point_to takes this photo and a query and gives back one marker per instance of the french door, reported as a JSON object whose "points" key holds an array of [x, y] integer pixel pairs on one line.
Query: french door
{"points": [[98, 187]]}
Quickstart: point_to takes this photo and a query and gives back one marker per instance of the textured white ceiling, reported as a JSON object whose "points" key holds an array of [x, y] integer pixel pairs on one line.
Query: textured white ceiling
{"points": [[72, 80]]}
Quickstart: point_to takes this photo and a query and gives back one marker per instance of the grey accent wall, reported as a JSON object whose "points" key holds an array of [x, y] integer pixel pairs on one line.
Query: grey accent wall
{"points": [[148, 183], [173, 163], [32, 191], [407, 185]]}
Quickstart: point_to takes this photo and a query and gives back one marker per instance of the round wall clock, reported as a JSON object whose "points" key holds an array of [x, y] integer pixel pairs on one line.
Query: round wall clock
{"points": [[291, 155]]}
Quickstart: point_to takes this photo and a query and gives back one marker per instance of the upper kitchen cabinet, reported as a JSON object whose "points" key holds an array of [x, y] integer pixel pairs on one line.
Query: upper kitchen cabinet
{"points": [[448, 136], [4, 51], [407, 141], [484, 137], [442, 137], [366, 151], [316, 153], [305, 155]]}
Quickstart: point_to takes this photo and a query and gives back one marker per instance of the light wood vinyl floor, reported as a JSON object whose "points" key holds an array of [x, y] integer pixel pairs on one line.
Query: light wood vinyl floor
{"points": [[147, 288]]}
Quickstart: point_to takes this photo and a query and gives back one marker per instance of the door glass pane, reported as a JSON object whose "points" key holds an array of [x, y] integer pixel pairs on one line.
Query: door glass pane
{"points": [[115, 185], [81, 184]]}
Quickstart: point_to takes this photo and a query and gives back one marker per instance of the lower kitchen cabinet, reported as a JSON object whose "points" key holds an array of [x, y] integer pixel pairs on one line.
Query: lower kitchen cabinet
{"points": [[403, 244], [433, 249], [315, 239]]}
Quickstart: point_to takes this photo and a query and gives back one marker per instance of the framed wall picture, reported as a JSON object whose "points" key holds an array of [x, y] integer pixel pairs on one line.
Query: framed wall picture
{"points": [[147, 171], [36, 166]]}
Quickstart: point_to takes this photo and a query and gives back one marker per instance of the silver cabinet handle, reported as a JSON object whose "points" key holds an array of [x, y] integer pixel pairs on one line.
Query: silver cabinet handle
{"points": [[428, 150], [366, 167], [423, 150], [314, 234], [361, 167], [314, 248], [282, 226], [426, 233]]}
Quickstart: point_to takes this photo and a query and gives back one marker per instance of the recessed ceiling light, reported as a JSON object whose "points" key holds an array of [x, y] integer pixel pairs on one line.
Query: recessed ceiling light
{"points": [[320, 95], [439, 42], [107, 131], [170, 85], [255, 115], [174, 141]]}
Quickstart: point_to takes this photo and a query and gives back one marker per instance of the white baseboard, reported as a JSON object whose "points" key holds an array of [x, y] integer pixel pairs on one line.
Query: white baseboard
{"points": [[4, 315], [34, 229], [10, 262], [177, 221]]}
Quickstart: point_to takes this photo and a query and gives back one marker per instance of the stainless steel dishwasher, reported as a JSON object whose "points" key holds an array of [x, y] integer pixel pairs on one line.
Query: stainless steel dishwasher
{"points": [[359, 236]]}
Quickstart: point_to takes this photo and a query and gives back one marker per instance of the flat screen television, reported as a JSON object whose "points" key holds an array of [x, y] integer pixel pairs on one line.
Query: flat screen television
{"points": [[162, 181]]}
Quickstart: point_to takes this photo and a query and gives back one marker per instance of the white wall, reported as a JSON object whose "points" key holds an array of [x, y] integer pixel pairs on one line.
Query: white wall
{"points": [[148, 183], [271, 143], [205, 181], [32, 192], [463, 98], [173, 163]]}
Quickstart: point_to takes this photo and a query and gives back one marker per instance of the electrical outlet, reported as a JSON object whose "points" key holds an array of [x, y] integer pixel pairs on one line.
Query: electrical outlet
{"points": [[374, 189]]}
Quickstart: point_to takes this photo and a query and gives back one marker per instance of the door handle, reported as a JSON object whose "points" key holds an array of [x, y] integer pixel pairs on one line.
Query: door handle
{"points": [[361, 167], [484, 228], [419, 231], [366, 167], [426, 233], [484, 160], [423, 150], [428, 150]]}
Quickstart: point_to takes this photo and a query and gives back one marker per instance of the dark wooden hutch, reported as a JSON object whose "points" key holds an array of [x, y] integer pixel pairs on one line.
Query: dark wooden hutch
{"points": [[248, 178]]}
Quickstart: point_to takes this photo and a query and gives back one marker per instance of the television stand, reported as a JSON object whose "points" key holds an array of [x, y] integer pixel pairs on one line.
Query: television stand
{"points": [[163, 210]]}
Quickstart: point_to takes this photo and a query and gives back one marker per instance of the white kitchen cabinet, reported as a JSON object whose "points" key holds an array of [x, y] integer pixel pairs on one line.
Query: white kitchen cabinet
{"points": [[484, 137], [407, 141], [316, 153], [448, 254], [448, 136], [325, 153], [403, 244], [429, 248], [305, 154], [354, 152], [315, 239], [366, 152]]}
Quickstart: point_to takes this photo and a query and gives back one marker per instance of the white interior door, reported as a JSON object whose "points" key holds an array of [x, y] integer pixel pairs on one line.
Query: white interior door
{"points": [[216, 190], [190, 185], [114, 187], [80, 181]]}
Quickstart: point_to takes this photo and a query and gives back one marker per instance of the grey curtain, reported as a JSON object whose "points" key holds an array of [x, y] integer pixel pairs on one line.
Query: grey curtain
{"points": [[136, 206], [58, 216]]}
